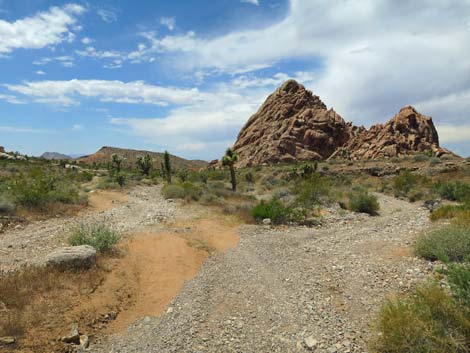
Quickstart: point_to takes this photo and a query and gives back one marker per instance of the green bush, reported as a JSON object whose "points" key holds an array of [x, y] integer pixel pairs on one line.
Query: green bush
{"points": [[458, 277], [37, 188], [98, 235], [450, 243], [6, 203], [363, 202], [450, 211], [454, 190], [427, 321], [186, 190], [274, 210], [173, 191], [312, 191]]}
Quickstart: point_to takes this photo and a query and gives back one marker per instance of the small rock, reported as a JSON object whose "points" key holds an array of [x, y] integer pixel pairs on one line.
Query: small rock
{"points": [[267, 221], [311, 343], [7, 340], [84, 341], [74, 336]]}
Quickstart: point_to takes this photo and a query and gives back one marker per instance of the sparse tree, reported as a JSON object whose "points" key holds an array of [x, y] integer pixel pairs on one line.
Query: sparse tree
{"points": [[166, 167], [145, 163], [228, 160]]}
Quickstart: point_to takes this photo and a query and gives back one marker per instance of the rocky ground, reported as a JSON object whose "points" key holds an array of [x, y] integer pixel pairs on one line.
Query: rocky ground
{"points": [[289, 289], [29, 244]]}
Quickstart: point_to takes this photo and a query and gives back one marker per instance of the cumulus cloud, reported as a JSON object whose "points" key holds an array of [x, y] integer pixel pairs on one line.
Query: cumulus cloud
{"points": [[40, 30], [70, 92], [374, 56], [10, 99], [40, 72]]}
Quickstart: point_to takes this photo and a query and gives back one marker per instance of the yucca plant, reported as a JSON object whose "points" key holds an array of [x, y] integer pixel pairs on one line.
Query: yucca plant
{"points": [[228, 160]]}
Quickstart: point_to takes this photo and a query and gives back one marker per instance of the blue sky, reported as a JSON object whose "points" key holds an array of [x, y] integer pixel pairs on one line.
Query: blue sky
{"points": [[186, 75]]}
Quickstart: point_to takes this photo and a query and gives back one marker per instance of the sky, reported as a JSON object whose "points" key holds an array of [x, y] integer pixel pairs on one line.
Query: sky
{"points": [[186, 75]]}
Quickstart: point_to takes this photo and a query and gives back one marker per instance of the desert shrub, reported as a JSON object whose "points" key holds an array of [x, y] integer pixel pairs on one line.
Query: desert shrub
{"points": [[411, 185], [451, 211], [434, 161], [216, 174], [454, 190], [37, 188], [363, 202], [451, 243], [458, 277], [186, 190], [312, 191], [192, 191], [420, 158], [6, 203], [98, 235], [171, 191], [249, 177], [275, 210], [427, 321]]}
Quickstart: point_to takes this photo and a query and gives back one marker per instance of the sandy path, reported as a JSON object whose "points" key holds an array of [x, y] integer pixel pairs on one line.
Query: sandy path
{"points": [[280, 286]]}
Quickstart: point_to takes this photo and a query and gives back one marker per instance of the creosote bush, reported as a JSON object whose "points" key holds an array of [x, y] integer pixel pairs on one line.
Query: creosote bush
{"points": [[451, 243], [363, 202], [185, 190], [428, 321], [98, 235], [275, 210]]}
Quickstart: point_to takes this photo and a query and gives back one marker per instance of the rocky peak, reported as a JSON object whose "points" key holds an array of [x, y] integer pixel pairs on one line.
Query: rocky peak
{"points": [[292, 124], [295, 125]]}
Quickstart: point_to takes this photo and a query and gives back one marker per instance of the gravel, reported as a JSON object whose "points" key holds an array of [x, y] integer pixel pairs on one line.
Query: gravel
{"points": [[289, 289], [30, 244]]}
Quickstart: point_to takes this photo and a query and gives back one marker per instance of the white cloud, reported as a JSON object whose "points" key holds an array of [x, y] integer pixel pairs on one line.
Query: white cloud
{"points": [[40, 72], [67, 93], [10, 99], [87, 41], [453, 133], [41, 30], [16, 129], [168, 22], [371, 57], [64, 60], [106, 15], [252, 2], [77, 127]]}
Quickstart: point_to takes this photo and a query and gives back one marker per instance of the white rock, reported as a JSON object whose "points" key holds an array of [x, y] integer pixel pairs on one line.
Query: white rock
{"points": [[83, 256], [266, 221], [311, 342]]}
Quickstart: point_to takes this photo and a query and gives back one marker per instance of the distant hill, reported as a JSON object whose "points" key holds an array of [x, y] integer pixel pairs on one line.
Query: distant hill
{"points": [[104, 155], [54, 155]]}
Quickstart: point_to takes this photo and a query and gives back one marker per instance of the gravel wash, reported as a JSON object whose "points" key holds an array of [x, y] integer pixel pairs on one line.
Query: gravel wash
{"points": [[29, 244], [290, 289]]}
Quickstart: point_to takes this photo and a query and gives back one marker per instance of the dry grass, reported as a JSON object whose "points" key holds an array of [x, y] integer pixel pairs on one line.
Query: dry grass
{"points": [[36, 304]]}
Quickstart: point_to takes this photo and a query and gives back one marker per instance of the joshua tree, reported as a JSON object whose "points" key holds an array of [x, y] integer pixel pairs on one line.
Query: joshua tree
{"points": [[145, 164], [231, 157], [166, 167], [116, 163]]}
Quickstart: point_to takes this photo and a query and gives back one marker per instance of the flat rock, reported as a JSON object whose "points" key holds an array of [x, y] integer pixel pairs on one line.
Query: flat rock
{"points": [[82, 256], [7, 340]]}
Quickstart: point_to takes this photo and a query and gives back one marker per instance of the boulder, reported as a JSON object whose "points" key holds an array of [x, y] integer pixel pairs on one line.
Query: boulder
{"points": [[83, 256]]}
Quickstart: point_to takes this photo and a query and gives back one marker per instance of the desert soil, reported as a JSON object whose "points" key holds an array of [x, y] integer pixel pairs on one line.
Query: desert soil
{"points": [[287, 288], [264, 289]]}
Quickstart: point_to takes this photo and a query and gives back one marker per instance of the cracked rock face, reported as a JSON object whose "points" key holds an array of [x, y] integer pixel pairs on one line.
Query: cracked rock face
{"points": [[294, 125], [291, 125]]}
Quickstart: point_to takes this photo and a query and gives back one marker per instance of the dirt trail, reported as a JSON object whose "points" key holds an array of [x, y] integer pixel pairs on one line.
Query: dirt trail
{"points": [[282, 285], [154, 268]]}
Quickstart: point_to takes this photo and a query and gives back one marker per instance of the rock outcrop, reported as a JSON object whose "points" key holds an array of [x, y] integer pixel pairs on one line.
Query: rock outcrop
{"points": [[291, 125], [294, 125], [406, 133]]}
